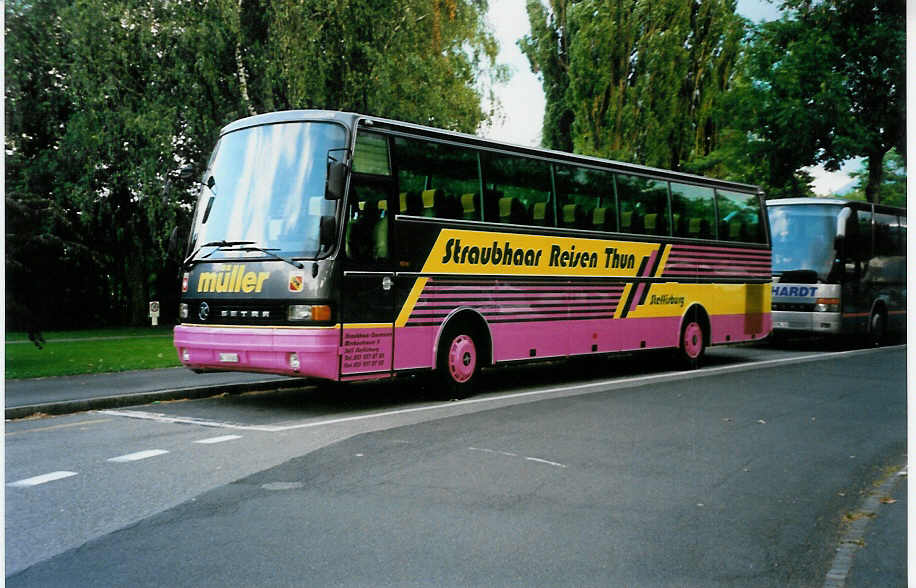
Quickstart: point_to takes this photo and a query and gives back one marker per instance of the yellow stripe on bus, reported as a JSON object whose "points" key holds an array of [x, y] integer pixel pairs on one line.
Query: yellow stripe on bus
{"points": [[624, 296], [463, 252], [672, 299], [410, 302]]}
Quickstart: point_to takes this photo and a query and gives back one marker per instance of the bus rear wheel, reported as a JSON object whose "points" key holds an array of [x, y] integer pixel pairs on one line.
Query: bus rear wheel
{"points": [[692, 344], [458, 362], [877, 328]]}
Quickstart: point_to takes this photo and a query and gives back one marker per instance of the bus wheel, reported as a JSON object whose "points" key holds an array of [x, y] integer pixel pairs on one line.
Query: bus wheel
{"points": [[877, 328], [692, 344], [458, 363]]}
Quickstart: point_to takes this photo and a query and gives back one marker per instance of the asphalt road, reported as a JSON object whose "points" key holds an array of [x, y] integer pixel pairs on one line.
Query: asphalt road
{"points": [[588, 473]]}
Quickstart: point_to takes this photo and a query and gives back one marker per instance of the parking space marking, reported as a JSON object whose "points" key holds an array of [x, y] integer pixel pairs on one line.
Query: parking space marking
{"points": [[137, 456], [55, 427], [42, 479], [220, 439]]}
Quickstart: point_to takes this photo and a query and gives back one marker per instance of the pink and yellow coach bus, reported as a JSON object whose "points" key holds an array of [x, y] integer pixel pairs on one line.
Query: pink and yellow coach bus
{"points": [[341, 247]]}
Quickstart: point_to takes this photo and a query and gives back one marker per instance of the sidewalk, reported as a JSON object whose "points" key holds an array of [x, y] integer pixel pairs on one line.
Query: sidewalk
{"points": [[65, 394]]}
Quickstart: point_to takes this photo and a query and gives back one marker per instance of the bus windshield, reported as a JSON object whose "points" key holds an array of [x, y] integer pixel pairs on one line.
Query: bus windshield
{"points": [[265, 187], [803, 237]]}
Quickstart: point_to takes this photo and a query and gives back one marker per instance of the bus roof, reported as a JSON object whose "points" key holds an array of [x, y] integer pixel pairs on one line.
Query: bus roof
{"points": [[858, 204], [351, 119], [834, 201]]}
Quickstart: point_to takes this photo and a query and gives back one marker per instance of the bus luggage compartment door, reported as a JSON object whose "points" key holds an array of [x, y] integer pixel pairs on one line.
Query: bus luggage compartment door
{"points": [[367, 319]]}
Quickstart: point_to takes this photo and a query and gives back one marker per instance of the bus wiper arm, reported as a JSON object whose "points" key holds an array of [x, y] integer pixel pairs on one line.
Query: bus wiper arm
{"points": [[271, 253], [218, 244]]}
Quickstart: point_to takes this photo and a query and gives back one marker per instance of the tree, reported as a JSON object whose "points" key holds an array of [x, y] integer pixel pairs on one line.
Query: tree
{"points": [[892, 190], [547, 50], [824, 84], [107, 98], [641, 77]]}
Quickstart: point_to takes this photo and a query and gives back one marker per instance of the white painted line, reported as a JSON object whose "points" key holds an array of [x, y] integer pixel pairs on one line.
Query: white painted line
{"points": [[138, 456], [551, 463], [450, 406], [510, 454], [853, 538], [221, 439], [42, 479]]}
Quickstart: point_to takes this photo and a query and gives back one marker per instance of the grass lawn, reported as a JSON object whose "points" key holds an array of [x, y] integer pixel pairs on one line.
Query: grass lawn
{"points": [[89, 352]]}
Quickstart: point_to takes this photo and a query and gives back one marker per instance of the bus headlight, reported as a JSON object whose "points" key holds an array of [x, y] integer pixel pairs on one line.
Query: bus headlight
{"points": [[309, 312], [183, 311], [827, 305]]}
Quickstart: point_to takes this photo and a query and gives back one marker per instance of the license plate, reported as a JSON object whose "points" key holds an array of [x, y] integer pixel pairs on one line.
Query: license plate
{"points": [[229, 357]]}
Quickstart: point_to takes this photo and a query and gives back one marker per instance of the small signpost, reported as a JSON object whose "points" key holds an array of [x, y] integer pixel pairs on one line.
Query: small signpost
{"points": [[154, 311]]}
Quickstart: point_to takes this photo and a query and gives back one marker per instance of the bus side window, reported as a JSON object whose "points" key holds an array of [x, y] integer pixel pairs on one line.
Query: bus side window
{"points": [[366, 238], [739, 217], [444, 178], [513, 186], [693, 207], [643, 205], [585, 198]]}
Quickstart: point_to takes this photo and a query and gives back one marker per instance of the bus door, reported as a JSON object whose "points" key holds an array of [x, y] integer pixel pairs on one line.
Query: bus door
{"points": [[367, 298]]}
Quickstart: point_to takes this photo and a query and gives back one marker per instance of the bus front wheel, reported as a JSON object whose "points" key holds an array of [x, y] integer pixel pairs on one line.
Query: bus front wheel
{"points": [[458, 362], [692, 344]]}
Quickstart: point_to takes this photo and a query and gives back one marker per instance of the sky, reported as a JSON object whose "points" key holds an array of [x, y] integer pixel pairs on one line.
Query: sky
{"points": [[522, 98]]}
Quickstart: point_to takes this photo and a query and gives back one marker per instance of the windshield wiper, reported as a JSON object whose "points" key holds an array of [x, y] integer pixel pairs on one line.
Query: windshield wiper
{"points": [[270, 252], [218, 244]]}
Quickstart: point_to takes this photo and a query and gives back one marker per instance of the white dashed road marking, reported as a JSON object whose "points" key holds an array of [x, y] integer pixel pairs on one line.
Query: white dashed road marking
{"points": [[220, 439], [138, 456], [42, 479], [511, 454]]}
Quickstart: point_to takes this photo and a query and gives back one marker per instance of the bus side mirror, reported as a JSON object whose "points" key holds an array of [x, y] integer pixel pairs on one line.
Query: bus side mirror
{"points": [[337, 180]]}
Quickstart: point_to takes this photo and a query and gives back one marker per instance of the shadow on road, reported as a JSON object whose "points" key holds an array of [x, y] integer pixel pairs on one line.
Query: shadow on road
{"points": [[329, 400]]}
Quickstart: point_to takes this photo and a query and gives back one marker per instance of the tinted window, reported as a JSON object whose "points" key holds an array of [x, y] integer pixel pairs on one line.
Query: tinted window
{"points": [[887, 235], [371, 155], [643, 205], [585, 199], [437, 180], [514, 188], [692, 211], [739, 217], [366, 234], [862, 239]]}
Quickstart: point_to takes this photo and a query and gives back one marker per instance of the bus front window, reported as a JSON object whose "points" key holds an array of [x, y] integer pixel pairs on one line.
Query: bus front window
{"points": [[803, 238], [265, 186]]}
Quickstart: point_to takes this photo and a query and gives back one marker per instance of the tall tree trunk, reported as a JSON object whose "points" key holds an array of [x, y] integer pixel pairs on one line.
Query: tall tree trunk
{"points": [[136, 286], [875, 175]]}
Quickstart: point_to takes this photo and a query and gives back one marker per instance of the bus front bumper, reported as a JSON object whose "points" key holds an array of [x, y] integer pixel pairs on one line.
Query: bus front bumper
{"points": [[304, 352], [807, 322]]}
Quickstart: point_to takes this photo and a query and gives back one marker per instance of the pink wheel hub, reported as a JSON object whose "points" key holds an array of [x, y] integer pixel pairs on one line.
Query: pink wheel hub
{"points": [[462, 358], [693, 340]]}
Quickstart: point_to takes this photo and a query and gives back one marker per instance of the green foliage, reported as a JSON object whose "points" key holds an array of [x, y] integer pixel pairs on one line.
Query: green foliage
{"points": [[547, 50], [106, 99], [638, 80], [892, 190], [823, 84]]}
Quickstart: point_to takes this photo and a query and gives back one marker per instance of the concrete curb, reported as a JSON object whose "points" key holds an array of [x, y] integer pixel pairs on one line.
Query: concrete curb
{"points": [[121, 400]]}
